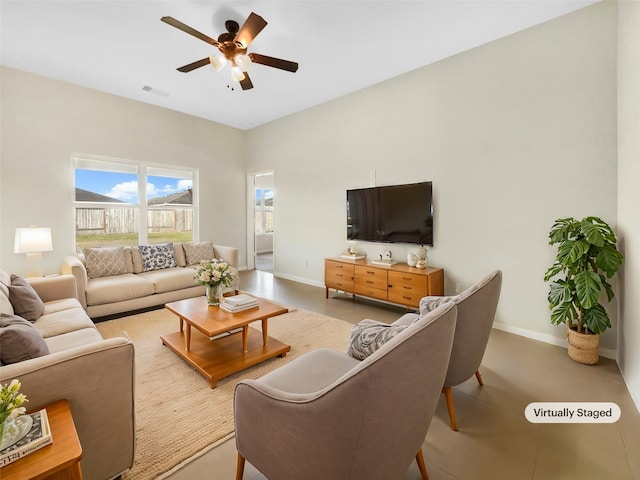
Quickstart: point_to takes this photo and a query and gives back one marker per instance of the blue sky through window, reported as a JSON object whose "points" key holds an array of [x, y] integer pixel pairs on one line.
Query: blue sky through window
{"points": [[124, 186]]}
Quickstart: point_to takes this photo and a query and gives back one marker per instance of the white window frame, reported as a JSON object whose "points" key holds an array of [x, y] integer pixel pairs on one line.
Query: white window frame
{"points": [[98, 162]]}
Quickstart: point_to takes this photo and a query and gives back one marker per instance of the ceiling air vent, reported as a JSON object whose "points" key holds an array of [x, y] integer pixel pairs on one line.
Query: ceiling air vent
{"points": [[155, 91]]}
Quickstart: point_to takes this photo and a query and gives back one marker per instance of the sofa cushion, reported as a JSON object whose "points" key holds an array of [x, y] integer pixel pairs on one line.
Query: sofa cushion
{"points": [[171, 279], [19, 340], [105, 261], [196, 252], [63, 321], [178, 251], [24, 299], [105, 290], [157, 257], [77, 338], [136, 259], [368, 336], [5, 303]]}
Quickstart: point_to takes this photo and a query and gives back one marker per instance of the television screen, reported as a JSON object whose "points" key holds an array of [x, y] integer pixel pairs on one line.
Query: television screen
{"points": [[391, 214]]}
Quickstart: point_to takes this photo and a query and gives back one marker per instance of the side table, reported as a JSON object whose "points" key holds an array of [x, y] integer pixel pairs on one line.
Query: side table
{"points": [[58, 461]]}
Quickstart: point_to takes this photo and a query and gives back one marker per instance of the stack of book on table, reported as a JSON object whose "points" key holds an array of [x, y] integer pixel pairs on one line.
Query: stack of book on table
{"points": [[33, 433], [238, 303]]}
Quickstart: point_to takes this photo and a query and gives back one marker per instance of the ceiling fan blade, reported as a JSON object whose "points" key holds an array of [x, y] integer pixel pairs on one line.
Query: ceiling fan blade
{"points": [[252, 26], [191, 31], [194, 65], [246, 83], [274, 62]]}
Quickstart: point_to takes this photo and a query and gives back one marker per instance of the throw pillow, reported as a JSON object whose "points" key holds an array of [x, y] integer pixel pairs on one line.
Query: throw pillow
{"points": [[24, 299], [157, 257], [368, 336], [429, 304], [19, 340], [198, 252], [105, 261]]}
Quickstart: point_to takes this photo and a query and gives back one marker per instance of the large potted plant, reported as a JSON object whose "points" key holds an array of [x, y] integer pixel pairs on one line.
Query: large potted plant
{"points": [[586, 258]]}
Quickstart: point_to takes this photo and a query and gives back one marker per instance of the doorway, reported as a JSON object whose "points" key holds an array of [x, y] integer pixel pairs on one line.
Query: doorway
{"points": [[261, 212]]}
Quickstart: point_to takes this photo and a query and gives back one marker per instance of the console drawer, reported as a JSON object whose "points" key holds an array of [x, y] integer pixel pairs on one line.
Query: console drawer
{"points": [[368, 291]]}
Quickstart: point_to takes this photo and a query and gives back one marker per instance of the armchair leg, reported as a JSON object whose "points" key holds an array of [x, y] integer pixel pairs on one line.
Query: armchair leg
{"points": [[421, 465], [240, 467], [452, 413], [479, 377]]}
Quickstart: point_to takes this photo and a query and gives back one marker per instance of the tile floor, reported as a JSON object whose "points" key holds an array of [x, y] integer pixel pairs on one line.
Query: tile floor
{"points": [[494, 440]]}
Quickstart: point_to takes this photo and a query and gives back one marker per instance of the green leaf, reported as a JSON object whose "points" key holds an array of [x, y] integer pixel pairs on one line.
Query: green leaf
{"points": [[555, 269], [559, 292], [578, 249], [607, 287], [560, 231], [562, 312], [587, 288], [593, 232], [609, 259], [596, 319]]}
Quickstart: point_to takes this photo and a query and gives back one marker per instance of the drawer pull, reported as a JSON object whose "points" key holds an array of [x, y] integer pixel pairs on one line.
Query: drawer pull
{"points": [[406, 298], [407, 278], [407, 288], [338, 274], [369, 272], [370, 282]]}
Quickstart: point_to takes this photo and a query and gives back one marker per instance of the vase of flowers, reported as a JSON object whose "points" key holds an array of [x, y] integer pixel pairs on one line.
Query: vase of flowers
{"points": [[216, 276], [11, 401]]}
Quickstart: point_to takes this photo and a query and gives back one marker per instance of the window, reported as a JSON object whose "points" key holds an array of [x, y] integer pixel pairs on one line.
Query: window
{"points": [[108, 209], [264, 210]]}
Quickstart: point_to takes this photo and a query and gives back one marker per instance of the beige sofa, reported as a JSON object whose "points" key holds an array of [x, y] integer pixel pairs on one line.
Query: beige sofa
{"points": [[95, 375], [134, 283]]}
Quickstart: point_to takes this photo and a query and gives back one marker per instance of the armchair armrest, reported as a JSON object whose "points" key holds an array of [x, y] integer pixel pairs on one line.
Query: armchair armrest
{"points": [[54, 288], [228, 254], [72, 265], [98, 381]]}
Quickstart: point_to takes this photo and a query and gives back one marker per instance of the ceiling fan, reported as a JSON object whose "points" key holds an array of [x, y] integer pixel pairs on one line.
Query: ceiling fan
{"points": [[233, 48]]}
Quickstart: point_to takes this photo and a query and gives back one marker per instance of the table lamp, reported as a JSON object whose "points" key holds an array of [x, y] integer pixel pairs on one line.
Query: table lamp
{"points": [[33, 241]]}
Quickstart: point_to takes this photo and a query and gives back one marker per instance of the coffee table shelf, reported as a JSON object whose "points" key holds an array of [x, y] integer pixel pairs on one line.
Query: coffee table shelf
{"points": [[219, 358]]}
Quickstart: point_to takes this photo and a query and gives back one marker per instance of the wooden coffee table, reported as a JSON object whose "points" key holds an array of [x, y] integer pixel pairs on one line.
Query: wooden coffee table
{"points": [[224, 343]]}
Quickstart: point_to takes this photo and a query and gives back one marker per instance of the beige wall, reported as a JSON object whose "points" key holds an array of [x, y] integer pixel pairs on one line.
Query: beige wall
{"points": [[628, 191], [45, 121], [513, 134]]}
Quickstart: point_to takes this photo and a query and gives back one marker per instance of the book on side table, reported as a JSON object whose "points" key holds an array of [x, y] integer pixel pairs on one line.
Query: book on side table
{"points": [[38, 435]]}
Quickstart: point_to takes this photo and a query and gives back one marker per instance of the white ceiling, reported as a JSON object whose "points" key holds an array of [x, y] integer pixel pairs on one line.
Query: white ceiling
{"points": [[342, 46]]}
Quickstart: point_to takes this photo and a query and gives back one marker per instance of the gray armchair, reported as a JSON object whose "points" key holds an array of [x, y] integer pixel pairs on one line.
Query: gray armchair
{"points": [[476, 311], [326, 415]]}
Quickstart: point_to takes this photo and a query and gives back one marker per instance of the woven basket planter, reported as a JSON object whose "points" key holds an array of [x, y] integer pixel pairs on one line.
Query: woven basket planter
{"points": [[583, 347]]}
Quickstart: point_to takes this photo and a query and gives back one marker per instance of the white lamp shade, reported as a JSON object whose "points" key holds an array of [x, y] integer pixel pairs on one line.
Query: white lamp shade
{"points": [[243, 62], [218, 62], [33, 240], [236, 74]]}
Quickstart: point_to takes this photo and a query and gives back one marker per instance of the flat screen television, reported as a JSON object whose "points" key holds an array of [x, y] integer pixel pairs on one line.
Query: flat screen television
{"points": [[391, 214]]}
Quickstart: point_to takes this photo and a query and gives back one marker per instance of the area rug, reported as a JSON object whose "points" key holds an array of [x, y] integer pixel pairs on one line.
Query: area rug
{"points": [[178, 415]]}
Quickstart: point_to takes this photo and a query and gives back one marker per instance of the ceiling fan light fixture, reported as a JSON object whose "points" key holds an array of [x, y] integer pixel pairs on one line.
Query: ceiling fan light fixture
{"points": [[243, 62], [236, 74], [218, 62]]}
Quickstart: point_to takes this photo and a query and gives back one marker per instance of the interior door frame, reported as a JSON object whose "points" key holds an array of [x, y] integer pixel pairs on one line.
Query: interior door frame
{"points": [[251, 207]]}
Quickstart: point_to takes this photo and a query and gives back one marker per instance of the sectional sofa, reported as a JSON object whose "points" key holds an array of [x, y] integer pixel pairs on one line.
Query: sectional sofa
{"points": [[112, 280], [53, 348]]}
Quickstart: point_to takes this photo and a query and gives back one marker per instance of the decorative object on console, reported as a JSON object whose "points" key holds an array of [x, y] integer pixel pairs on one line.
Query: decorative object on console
{"points": [[33, 241], [214, 275], [351, 253], [421, 264], [412, 259], [586, 254]]}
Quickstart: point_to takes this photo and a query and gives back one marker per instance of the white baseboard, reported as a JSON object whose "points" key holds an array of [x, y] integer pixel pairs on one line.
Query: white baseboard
{"points": [[294, 278], [544, 337]]}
